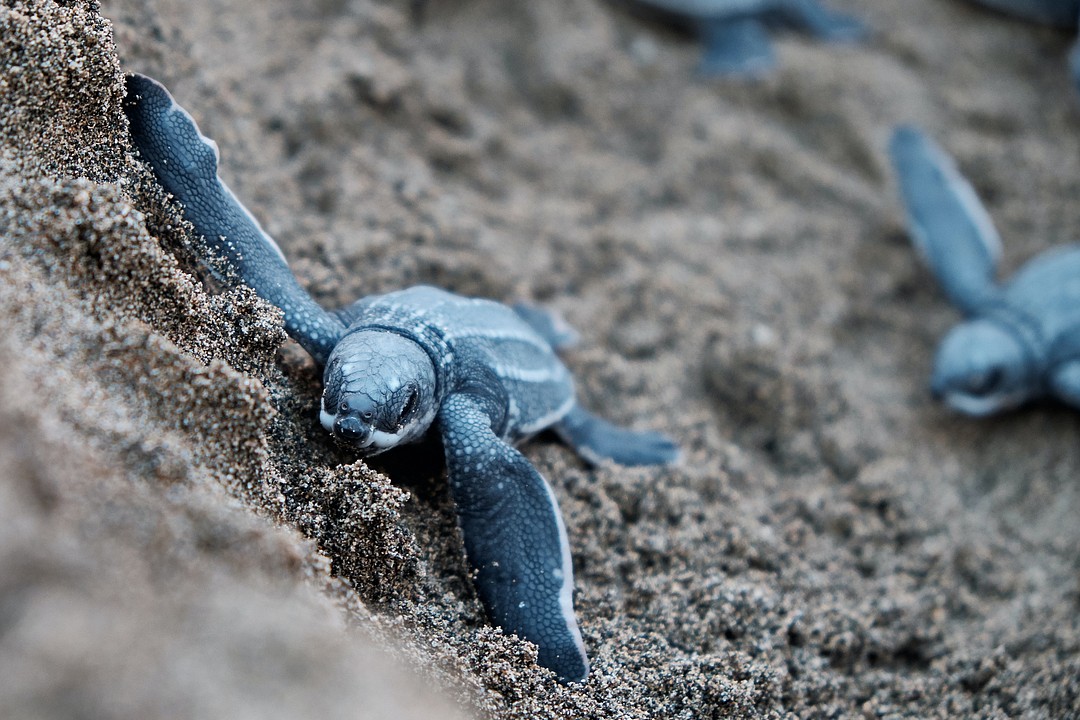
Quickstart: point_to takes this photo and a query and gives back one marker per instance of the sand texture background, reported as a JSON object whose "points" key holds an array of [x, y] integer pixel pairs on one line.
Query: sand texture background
{"points": [[180, 539]]}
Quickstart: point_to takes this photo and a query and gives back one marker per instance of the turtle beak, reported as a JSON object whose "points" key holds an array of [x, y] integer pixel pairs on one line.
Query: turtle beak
{"points": [[351, 429]]}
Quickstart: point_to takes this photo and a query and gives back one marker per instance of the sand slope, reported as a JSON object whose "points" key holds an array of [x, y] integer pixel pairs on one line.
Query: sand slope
{"points": [[179, 538]]}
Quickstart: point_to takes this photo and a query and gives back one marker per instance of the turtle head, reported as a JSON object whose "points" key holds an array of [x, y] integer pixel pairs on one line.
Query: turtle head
{"points": [[378, 391], [982, 368]]}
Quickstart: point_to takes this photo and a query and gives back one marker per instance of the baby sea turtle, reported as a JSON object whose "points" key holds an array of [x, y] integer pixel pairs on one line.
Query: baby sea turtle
{"points": [[483, 374], [1021, 340], [735, 31]]}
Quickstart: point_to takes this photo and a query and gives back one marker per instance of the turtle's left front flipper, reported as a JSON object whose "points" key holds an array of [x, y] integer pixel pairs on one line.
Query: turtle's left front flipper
{"points": [[185, 163], [948, 224], [514, 537]]}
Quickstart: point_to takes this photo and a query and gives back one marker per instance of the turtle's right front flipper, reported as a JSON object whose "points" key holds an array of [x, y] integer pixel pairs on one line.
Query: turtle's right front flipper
{"points": [[514, 537], [948, 224], [185, 163]]}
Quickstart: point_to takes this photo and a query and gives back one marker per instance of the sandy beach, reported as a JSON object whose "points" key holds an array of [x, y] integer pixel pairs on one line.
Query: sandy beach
{"points": [[179, 538]]}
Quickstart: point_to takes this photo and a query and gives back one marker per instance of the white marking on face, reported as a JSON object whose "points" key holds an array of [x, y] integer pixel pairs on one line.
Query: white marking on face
{"points": [[326, 419], [384, 440]]}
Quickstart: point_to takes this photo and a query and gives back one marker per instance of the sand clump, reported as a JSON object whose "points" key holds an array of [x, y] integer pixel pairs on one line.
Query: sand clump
{"points": [[181, 539]]}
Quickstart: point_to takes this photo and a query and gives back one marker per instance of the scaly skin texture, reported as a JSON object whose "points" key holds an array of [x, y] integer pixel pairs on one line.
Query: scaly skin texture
{"points": [[397, 364], [185, 164], [1021, 340]]}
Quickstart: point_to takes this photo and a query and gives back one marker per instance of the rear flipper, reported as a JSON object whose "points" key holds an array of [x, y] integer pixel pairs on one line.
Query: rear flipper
{"points": [[548, 325], [514, 538], [812, 17], [949, 226], [596, 440], [738, 46]]}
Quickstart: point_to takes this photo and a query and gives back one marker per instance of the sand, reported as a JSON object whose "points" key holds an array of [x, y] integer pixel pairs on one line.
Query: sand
{"points": [[180, 539]]}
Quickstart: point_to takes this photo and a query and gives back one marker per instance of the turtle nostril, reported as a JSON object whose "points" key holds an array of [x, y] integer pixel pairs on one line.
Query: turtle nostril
{"points": [[350, 428]]}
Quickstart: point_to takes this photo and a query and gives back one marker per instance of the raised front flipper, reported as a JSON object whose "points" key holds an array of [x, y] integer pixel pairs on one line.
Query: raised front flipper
{"points": [[734, 46], [514, 538], [948, 224], [595, 439], [814, 18], [185, 163]]}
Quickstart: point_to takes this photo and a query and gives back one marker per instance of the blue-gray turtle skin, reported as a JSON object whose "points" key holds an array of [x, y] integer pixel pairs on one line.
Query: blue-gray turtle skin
{"points": [[735, 35], [396, 365], [1021, 339]]}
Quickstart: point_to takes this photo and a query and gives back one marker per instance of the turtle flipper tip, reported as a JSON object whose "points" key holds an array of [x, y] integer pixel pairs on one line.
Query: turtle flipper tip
{"points": [[153, 110]]}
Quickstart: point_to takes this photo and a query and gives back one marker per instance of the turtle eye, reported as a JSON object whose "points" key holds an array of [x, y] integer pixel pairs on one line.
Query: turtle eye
{"points": [[985, 383], [344, 406], [410, 404]]}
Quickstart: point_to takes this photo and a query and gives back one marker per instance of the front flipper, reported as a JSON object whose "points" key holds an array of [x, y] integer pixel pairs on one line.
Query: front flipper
{"points": [[948, 224], [595, 439], [734, 46], [514, 538], [185, 163]]}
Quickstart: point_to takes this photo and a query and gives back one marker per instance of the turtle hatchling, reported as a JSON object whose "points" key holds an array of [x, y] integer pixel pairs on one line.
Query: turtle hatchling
{"points": [[735, 32], [1021, 339], [482, 374]]}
